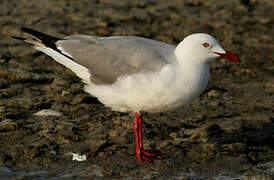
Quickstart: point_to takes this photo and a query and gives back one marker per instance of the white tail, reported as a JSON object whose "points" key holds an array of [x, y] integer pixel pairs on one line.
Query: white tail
{"points": [[81, 71]]}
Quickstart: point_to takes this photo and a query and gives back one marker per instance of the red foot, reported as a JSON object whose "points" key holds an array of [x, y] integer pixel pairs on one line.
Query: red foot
{"points": [[141, 154]]}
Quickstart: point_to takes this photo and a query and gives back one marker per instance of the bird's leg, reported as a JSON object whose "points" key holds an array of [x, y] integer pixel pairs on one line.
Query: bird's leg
{"points": [[141, 154], [136, 135], [146, 153]]}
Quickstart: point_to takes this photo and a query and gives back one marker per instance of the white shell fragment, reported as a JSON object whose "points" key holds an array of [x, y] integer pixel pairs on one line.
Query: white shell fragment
{"points": [[78, 157], [48, 112]]}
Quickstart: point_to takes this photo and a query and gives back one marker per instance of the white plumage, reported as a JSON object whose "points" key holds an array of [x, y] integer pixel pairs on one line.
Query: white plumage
{"points": [[174, 84], [133, 74]]}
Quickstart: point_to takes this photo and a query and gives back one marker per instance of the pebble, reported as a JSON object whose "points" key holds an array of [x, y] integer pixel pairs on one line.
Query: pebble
{"points": [[48, 112], [8, 125], [65, 93], [213, 93], [213, 103], [78, 157]]}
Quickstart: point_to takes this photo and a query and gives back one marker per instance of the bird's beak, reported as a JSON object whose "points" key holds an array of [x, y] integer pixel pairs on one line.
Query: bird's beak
{"points": [[230, 56]]}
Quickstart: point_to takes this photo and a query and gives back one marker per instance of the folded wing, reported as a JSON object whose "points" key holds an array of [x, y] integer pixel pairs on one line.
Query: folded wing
{"points": [[110, 58]]}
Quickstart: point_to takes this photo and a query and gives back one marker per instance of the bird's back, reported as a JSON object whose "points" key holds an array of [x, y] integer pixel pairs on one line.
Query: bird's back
{"points": [[109, 58]]}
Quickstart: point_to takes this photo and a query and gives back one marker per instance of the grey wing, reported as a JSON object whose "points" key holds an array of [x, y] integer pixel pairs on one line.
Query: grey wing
{"points": [[110, 58]]}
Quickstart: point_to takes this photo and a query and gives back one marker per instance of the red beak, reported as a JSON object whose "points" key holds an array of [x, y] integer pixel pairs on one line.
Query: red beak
{"points": [[230, 56]]}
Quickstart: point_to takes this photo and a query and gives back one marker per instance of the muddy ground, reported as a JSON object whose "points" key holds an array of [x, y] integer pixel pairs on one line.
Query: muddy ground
{"points": [[226, 133]]}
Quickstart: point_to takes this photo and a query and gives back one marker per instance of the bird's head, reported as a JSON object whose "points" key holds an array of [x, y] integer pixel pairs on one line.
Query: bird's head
{"points": [[203, 48]]}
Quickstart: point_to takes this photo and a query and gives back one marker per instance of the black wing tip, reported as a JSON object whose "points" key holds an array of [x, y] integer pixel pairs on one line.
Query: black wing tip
{"points": [[19, 38], [39, 35], [31, 31], [47, 40]]}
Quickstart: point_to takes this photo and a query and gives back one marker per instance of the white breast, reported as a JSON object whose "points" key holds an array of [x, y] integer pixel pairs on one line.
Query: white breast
{"points": [[152, 92]]}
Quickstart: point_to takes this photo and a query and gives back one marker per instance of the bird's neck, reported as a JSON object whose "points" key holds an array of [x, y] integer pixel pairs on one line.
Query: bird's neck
{"points": [[190, 63], [192, 75], [195, 73]]}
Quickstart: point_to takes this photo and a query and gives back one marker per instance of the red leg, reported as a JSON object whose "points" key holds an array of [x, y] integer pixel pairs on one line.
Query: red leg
{"points": [[141, 154], [146, 153], [135, 127]]}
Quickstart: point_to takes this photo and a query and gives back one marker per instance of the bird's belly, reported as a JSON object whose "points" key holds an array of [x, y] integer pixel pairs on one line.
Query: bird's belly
{"points": [[147, 100], [142, 100], [148, 92]]}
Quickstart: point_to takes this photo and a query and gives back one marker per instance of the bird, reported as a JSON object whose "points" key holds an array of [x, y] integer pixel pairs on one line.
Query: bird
{"points": [[135, 74]]}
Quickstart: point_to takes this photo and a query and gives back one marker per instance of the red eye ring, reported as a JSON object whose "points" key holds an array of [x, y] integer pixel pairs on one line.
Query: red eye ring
{"points": [[206, 45]]}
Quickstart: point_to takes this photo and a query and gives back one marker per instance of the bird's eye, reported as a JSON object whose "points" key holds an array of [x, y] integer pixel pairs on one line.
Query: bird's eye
{"points": [[206, 45]]}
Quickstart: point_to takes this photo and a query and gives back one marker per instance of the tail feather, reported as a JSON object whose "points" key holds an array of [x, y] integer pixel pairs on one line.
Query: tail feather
{"points": [[41, 40], [47, 44], [31, 41]]}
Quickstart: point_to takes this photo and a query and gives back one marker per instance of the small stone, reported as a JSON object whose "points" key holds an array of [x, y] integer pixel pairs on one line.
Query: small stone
{"points": [[64, 93], [214, 103], [127, 124], [113, 134], [163, 144], [60, 82], [174, 135], [78, 157], [264, 20], [48, 112], [8, 125], [236, 147], [213, 93]]}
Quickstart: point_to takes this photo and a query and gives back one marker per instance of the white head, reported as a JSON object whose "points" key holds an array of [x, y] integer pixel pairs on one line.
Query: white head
{"points": [[202, 48]]}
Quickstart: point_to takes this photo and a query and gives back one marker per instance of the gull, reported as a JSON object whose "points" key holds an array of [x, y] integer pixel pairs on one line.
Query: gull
{"points": [[136, 74]]}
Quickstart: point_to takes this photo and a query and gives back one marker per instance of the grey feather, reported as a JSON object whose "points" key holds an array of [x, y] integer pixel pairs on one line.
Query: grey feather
{"points": [[112, 57]]}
